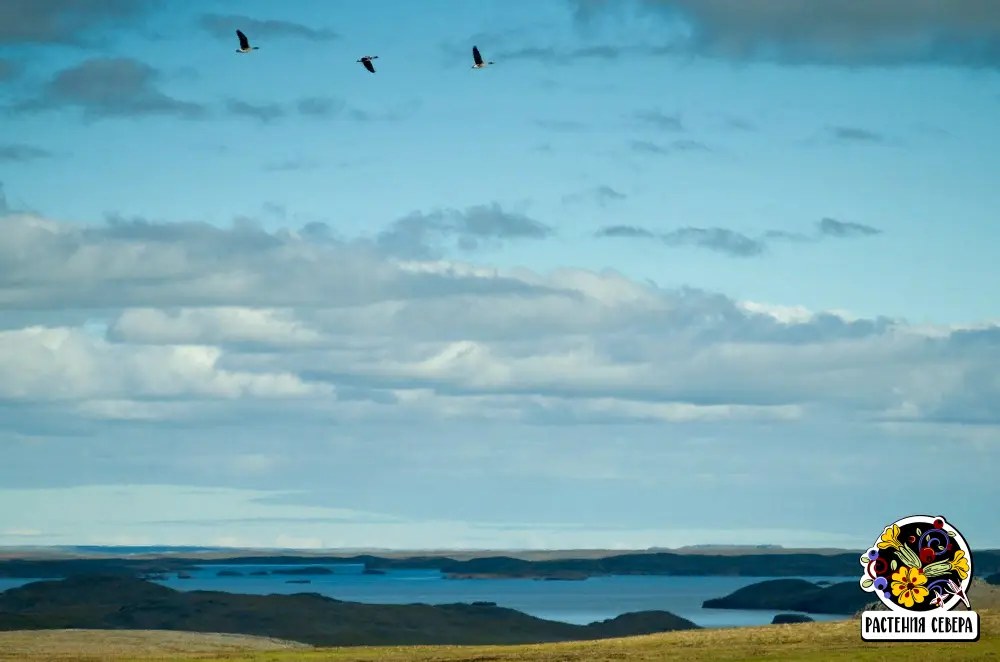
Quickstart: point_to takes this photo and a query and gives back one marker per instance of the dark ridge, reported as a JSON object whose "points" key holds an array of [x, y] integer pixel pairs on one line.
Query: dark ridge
{"points": [[661, 563], [843, 598], [125, 603]]}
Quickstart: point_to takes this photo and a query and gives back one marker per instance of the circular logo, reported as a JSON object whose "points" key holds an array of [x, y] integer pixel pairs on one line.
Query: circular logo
{"points": [[918, 564]]}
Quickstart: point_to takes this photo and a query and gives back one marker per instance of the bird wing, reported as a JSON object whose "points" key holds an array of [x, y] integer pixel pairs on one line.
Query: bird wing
{"points": [[244, 42], [476, 56], [368, 65]]}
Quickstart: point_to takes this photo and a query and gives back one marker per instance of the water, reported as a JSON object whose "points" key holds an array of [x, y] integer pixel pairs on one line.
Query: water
{"points": [[579, 602]]}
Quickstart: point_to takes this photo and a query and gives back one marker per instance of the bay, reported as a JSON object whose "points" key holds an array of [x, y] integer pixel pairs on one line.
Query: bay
{"points": [[580, 602]]}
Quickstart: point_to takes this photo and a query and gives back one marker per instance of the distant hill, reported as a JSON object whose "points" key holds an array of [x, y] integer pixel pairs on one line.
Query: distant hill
{"points": [[764, 564], [124, 603]]}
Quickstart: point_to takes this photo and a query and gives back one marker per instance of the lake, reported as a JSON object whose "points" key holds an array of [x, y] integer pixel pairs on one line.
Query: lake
{"points": [[580, 602]]}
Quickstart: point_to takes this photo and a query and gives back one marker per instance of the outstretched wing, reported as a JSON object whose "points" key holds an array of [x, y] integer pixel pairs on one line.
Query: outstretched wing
{"points": [[476, 56], [244, 42], [368, 65]]}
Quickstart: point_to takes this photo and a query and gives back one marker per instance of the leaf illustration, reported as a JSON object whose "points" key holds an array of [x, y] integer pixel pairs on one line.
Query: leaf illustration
{"points": [[951, 533], [867, 583], [894, 565], [918, 532]]}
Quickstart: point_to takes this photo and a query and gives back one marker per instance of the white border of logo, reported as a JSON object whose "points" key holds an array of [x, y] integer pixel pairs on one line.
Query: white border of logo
{"points": [[902, 624]]}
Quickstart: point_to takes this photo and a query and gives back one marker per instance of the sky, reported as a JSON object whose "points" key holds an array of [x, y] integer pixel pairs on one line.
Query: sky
{"points": [[668, 272]]}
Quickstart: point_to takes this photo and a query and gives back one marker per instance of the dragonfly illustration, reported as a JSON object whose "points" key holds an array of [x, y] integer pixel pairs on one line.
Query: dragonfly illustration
{"points": [[955, 589]]}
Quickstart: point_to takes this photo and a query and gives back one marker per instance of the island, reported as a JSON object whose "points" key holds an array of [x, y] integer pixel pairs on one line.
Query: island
{"points": [[228, 573], [565, 576], [789, 619], [753, 563], [843, 598], [307, 570], [118, 602]]}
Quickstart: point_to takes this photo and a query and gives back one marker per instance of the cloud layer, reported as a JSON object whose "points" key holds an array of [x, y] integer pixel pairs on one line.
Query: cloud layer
{"points": [[736, 244], [195, 314], [188, 354], [963, 33]]}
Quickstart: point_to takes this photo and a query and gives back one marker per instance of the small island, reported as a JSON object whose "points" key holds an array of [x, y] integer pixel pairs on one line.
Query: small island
{"points": [[789, 619], [228, 573], [306, 570]]}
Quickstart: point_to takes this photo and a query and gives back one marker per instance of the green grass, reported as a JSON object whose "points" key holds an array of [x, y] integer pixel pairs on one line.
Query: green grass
{"points": [[838, 641]]}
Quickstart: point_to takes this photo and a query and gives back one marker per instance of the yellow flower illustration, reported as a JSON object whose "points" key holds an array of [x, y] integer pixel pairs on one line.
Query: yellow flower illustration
{"points": [[960, 564], [890, 538], [908, 586]]}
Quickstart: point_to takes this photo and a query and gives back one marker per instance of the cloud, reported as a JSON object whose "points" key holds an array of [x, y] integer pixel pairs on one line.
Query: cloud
{"points": [[649, 147], [10, 70], [737, 244], [833, 228], [660, 120], [225, 26], [421, 235], [109, 88], [21, 153], [962, 33], [251, 377], [262, 112], [561, 126], [291, 165], [320, 106], [65, 21], [849, 134], [599, 195]]}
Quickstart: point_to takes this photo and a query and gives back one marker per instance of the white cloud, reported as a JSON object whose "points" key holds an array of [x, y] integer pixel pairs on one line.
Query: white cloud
{"points": [[185, 353]]}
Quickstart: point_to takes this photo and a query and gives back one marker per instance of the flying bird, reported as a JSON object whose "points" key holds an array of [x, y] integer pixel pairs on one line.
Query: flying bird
{"points": [[938, 599], [478, 59], [245, 46], [367, 61]]}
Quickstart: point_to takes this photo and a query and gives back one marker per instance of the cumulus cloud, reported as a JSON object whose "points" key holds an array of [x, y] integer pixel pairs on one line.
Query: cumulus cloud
{"points": [[963, 33], [106, 87], [421, 234], [65, 21], [204, 312], [737, 244], [341, 374]]}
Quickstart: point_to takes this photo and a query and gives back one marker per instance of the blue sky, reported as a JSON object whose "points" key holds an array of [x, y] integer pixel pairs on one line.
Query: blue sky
{"points": [[669, 272]]}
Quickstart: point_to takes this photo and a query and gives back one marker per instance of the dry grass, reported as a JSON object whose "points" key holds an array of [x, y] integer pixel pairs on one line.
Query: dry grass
{"points": [[832, 641], [130, 645]]}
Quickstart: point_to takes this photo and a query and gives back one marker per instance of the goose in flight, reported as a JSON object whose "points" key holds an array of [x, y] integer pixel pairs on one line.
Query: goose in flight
{"points": [[479, 64], [367, 61], [245, 46]]}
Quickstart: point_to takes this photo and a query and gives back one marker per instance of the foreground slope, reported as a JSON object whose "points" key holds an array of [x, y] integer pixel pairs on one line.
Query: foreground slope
{"points": [[838, 641], [131, 644]]}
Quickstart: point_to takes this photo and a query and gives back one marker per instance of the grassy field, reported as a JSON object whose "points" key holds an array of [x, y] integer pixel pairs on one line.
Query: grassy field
{"points": [[835, 641]]}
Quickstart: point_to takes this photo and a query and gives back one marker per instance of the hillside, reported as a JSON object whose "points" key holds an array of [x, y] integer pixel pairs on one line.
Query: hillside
{"points": [[125, 603], [795, 595], [806, 642]]}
